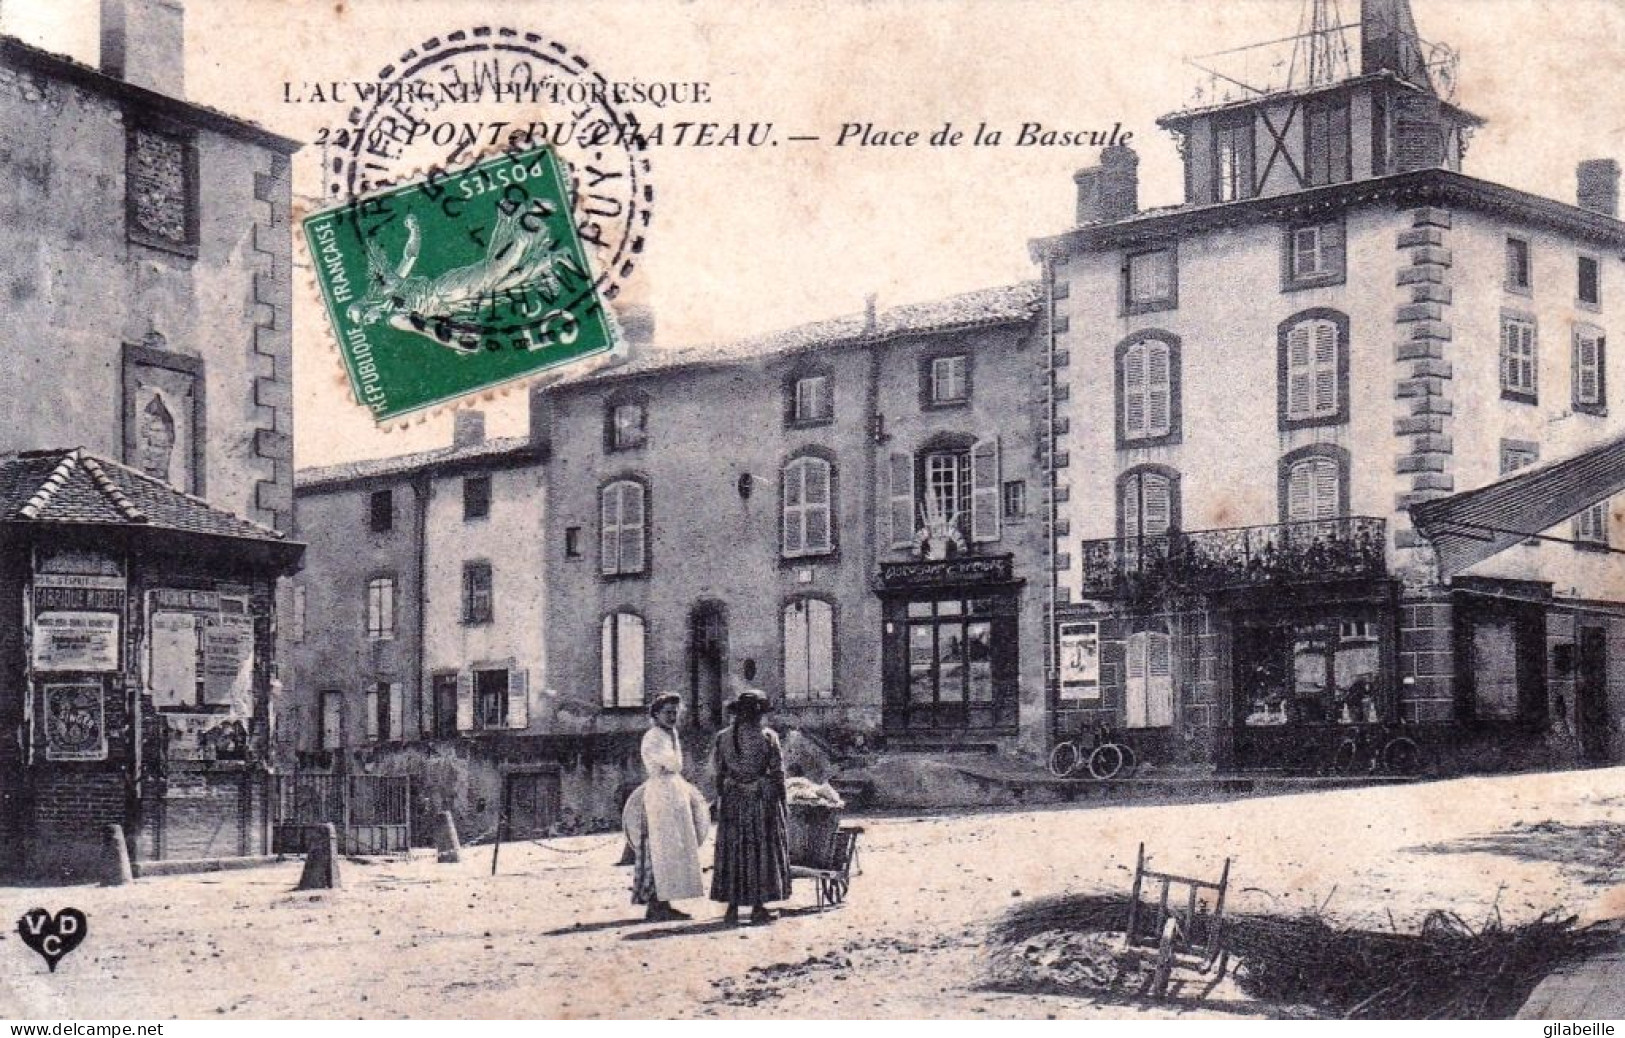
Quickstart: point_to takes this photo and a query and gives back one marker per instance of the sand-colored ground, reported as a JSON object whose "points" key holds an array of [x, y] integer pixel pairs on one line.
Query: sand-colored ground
{"points": [[553, 934]]}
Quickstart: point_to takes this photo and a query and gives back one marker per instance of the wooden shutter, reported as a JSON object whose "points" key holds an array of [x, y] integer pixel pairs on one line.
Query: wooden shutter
{"points": [[819, 495], [1134, 390], [1300, 505], [632, 527], [1156, 502], [795, 649], [1158, 389], [984, 510], [1327, 503], [820, 649], [900, 499], [609, 529], [606, 661], [397, 712], [629, 661], [1325, 367], [1587, 369], [794, 519], [1159, 680], [518, 697], [1131, 507], [1299, 381], [1331, 248], [1134, 706], [371, 710], [465, 700]]}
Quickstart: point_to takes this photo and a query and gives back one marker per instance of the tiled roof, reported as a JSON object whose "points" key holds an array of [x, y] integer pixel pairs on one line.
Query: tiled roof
{"points": [[1002, 305], [75, 486], [402, 464]]}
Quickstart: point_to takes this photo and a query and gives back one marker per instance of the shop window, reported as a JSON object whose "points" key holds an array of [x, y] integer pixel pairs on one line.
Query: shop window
{"points": [[1233, 158], [381, 609], [623, 528], [1150, 281], [381, 511], [1314, 484], [950, 652], [1519, 366], [1148, 690], [476, 497], [1326, 137], [478, 606], [1313, 255], [1313, 367], [1590, 367], [807, 526], [809, 650], [1148, 390], [1147, 502], [332, 720], [1324, 671], [621, 661], [1588, 291]]}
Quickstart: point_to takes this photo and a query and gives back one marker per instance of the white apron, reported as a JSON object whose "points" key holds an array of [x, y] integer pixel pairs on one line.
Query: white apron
{"points": [[674, 815]]}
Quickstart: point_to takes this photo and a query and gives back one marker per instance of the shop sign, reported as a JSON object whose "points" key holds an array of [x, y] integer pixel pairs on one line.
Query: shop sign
{"points": [[976, 569], [76, 641], [1080, 662], [75, 725]]}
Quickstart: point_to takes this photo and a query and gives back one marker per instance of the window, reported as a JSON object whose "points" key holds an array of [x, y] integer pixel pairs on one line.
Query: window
{"points": [[332, 720], [1590, 387], [385, 712], [477, 597], [950, 652], [1519, 372], [1148, 389], [1518, 454], [1313, 485], [1015, 498], [623, 525], [1148, 503], [807, 526], [1519, 278], [1326, 128], [296, 622], [958, 481], [161, 189], [476, 497], [948, 380], [809, 650], [491, 698], [1313, 366], [1589, 290], [1313, 255], [1149, 281], [1233, 159], [810, 399], [381, 609], [381, 511], [572, 542], [1591, 526], [626, 422], [443, 689], [1323, 671], [1495, 668], [621, 647], [1148, 699]]}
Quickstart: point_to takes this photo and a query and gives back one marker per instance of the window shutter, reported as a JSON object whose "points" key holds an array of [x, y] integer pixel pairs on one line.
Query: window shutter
{"points": [[1131, 507], [1300, 504], [1157, 501], [397, 712], [816, 505], [1587, 374], [370, 704], [1159, 680], [900, 490], [1331, 248], [1325, 341], [984, 511], [820, 649], [795, 541], [795, 650], [1158, 389], [629, 684], [1134, 390], [1298, 378], [609, 529], [465, 700], [632, 528], [1134, 712], [518, 698], [606, 661]]}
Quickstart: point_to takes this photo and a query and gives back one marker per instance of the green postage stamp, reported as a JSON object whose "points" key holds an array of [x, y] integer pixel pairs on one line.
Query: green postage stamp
{"points": [[456, 282]]}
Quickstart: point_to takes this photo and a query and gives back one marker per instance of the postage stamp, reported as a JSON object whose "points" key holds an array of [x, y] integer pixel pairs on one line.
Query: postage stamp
{"points": [[456, 282]]}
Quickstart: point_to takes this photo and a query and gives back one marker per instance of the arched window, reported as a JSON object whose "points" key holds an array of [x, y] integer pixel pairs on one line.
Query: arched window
{"points": [[1148, 389], [621, 659], [809, 650], [623, 519], [1314, 484], [808, 524], [1313, 368]]}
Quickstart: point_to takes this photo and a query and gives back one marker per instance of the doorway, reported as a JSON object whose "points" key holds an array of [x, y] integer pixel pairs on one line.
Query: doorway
{"points": [[707, 663], [1591, 695]]}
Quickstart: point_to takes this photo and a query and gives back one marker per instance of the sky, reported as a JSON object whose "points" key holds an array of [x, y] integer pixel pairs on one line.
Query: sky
{"points": [[744, 241]]}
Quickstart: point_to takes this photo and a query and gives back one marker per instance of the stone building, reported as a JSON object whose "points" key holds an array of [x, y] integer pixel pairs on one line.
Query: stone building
{"points": [[145, 461], [1257, 386]]}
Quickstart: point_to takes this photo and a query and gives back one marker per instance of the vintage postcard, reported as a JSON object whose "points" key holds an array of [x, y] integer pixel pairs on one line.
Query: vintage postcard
{"points": [[946, 509]]}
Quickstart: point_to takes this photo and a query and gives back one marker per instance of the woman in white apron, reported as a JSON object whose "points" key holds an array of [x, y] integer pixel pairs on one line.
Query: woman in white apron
{"points": [[666, 819]]}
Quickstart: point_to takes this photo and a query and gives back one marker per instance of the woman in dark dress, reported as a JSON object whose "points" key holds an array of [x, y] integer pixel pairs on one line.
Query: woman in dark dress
{"points": [[753, 849]]}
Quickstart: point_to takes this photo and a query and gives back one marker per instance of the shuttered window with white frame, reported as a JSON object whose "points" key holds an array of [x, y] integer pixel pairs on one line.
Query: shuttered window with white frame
{"points": [[623, 524], [1147, 505], [1312, 362], [807, 524], [1589, 346], [1519, 360], [1314, 490], [1147, 380]]}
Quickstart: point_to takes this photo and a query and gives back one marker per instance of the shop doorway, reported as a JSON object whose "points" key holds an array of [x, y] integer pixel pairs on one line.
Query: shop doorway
{"points": [[1591, 695]]}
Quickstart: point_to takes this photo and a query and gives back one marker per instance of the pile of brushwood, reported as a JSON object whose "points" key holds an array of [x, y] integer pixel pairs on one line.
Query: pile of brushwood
{"points": [[1447, 970]]}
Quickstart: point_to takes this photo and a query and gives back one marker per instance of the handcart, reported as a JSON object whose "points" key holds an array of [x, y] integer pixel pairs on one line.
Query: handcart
{"points": [[823, 850]]}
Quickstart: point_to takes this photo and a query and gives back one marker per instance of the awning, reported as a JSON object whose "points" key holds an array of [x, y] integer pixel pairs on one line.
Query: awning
{"points": [[1471, 526]]}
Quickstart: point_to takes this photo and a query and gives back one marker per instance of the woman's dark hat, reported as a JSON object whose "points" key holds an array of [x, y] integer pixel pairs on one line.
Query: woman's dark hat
{"points": [[661, 700], [751, 701]]}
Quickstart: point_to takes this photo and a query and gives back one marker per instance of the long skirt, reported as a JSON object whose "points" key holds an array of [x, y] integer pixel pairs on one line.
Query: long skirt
{"points": [[753, 847], [643, 875]]}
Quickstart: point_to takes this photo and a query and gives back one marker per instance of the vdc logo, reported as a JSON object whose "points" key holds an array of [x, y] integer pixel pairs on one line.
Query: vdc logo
{"points": [[53, 936]]}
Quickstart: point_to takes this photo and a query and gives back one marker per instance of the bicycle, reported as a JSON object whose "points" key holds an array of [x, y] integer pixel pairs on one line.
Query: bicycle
{"points": [[1398, 755], [1105, 758]]}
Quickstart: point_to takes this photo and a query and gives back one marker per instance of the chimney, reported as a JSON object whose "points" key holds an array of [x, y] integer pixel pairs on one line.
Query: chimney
{"points": [[1598, 181], [541, 415], [144, 44], [1110, 191], [469, 429]]}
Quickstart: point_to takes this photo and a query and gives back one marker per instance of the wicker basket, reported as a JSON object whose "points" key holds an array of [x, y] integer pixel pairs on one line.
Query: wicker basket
{"points": [[812, 835]]}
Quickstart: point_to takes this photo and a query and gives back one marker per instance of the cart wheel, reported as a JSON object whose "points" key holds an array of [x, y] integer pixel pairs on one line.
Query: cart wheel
{"points": [[1106, 761], [1064, 759], [1131, 761], [1348, 752], [1401, 756], [835, 889]]}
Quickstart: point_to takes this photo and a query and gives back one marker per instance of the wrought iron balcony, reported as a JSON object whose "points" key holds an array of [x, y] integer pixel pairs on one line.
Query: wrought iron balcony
{"points": [[1243, 556]]}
